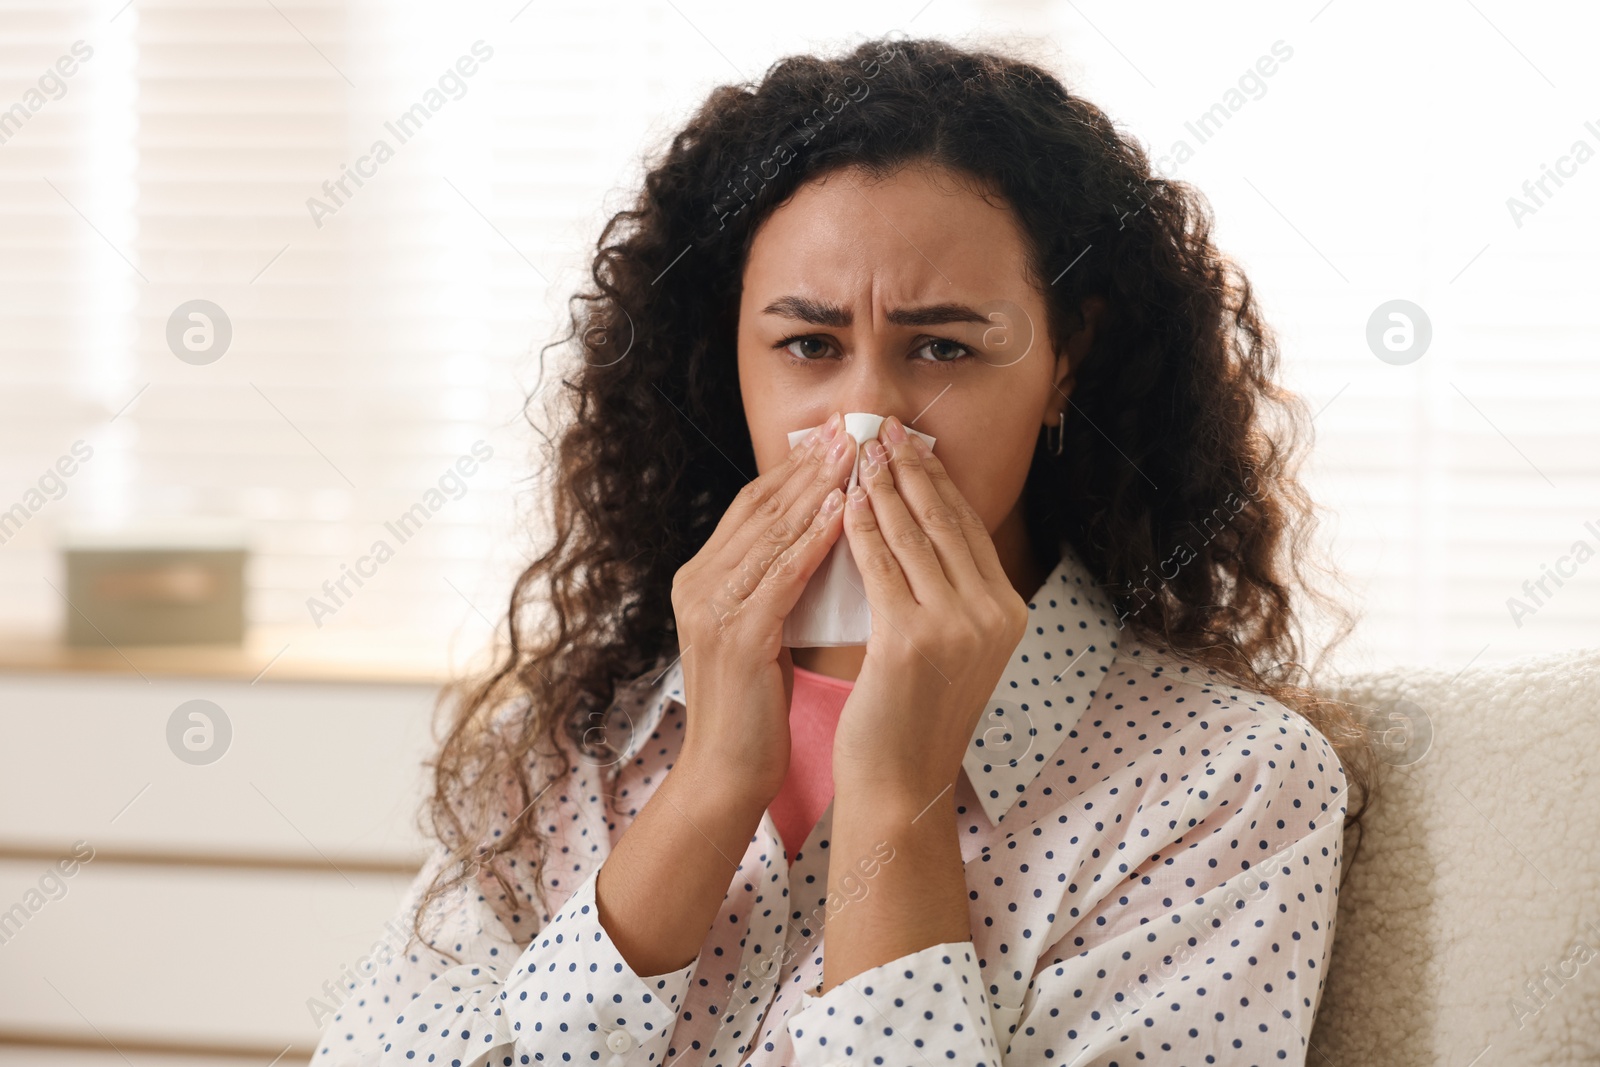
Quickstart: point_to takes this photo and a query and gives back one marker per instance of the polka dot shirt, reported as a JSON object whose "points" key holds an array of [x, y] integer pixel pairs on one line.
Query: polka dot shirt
{"points": [[1152, 860]]}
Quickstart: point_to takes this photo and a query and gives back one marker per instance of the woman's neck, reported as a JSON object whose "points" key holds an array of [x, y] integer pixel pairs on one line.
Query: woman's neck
{"points": [[839, 661], [1015, 549]]}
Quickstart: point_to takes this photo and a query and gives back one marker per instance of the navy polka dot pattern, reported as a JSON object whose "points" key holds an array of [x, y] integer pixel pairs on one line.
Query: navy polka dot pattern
{"points": [[1152, 860]]}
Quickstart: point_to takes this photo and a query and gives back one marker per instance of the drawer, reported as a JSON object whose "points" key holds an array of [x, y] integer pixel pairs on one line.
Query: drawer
{"points": [[30, 1056], [311, 773], [166, 954]]}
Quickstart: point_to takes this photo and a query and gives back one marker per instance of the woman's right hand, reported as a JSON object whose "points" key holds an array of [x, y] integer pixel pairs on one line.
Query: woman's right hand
{"points": [[730, 602]]}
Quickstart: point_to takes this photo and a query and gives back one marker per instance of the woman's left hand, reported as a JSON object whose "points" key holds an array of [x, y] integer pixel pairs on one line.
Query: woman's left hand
{"points": [[945, 621]]}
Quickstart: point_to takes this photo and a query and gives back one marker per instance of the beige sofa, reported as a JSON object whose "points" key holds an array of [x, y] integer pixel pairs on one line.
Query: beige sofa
{"points": [[1468, 930]]}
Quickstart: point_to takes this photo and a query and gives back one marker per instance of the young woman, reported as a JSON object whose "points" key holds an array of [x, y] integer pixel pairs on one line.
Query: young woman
{"points": [[1067, 804]]}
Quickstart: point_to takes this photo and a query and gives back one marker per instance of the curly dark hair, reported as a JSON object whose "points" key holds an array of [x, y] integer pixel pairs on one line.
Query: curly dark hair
{"points": [[1177, 483]]}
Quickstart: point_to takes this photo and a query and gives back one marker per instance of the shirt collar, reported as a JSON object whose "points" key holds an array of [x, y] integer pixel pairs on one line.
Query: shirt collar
{"points": [[1053, 674]]}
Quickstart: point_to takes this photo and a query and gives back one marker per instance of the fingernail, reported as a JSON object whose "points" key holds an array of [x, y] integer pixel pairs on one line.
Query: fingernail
{"points": [[840, 447], [922, 447], [831, 502], [875, 452], [809, 441], [869, 465], [893, 430], [858, 497], [832, 427]]}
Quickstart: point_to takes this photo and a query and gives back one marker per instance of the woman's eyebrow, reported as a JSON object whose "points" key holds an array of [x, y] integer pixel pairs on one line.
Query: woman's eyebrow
{"points": [[821, 313]]}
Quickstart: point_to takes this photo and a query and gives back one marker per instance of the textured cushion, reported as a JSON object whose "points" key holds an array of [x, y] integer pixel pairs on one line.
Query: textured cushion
{"points": [[1471, 919]]}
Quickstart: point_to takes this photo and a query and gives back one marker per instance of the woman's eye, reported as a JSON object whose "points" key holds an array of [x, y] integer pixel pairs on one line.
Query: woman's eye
{"points": [[797, 347], [943, 351]]}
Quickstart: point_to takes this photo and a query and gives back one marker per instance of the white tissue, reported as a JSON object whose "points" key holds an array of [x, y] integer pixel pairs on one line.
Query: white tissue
{"points": [[832, 609]]}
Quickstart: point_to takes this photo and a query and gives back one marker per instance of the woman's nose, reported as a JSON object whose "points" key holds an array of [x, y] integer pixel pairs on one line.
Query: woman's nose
{"points": [[871, 390]]}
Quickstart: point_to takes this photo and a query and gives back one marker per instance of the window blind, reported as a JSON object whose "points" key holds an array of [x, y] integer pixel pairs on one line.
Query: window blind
{"points": [[389, 204]]}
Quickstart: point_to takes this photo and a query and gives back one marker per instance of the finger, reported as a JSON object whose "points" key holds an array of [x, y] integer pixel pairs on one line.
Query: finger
{"points": [[766, 499], [979, 543], [768, 542], [886, 589], [756, 491], [784, 581], [910, 544], [927, 506]]}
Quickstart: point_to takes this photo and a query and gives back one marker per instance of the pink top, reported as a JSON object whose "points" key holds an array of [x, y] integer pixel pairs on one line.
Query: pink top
{"points": [[808, 787]]}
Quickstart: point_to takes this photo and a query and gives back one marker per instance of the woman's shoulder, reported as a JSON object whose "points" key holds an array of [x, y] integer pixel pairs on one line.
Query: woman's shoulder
{"points": [[1209, 717]]}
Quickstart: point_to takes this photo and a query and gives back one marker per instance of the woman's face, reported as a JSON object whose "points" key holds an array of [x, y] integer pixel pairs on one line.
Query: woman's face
{"points": [[906, 297]]}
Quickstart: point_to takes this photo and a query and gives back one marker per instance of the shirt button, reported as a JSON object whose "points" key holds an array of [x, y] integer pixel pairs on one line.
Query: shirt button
{"points": [[619, 1041]]}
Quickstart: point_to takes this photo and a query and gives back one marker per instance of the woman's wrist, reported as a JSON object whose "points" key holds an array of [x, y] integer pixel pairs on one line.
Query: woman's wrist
{"points": [[720, 779], [894, 786], [887, 805]]}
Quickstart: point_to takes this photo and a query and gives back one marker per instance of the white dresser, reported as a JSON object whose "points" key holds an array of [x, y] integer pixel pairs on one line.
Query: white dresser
{"points": [[222, 895]]}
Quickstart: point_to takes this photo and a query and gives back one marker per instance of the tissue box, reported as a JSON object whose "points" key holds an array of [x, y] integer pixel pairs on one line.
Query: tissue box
{"points": [[155, 586], [833, 609]]}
